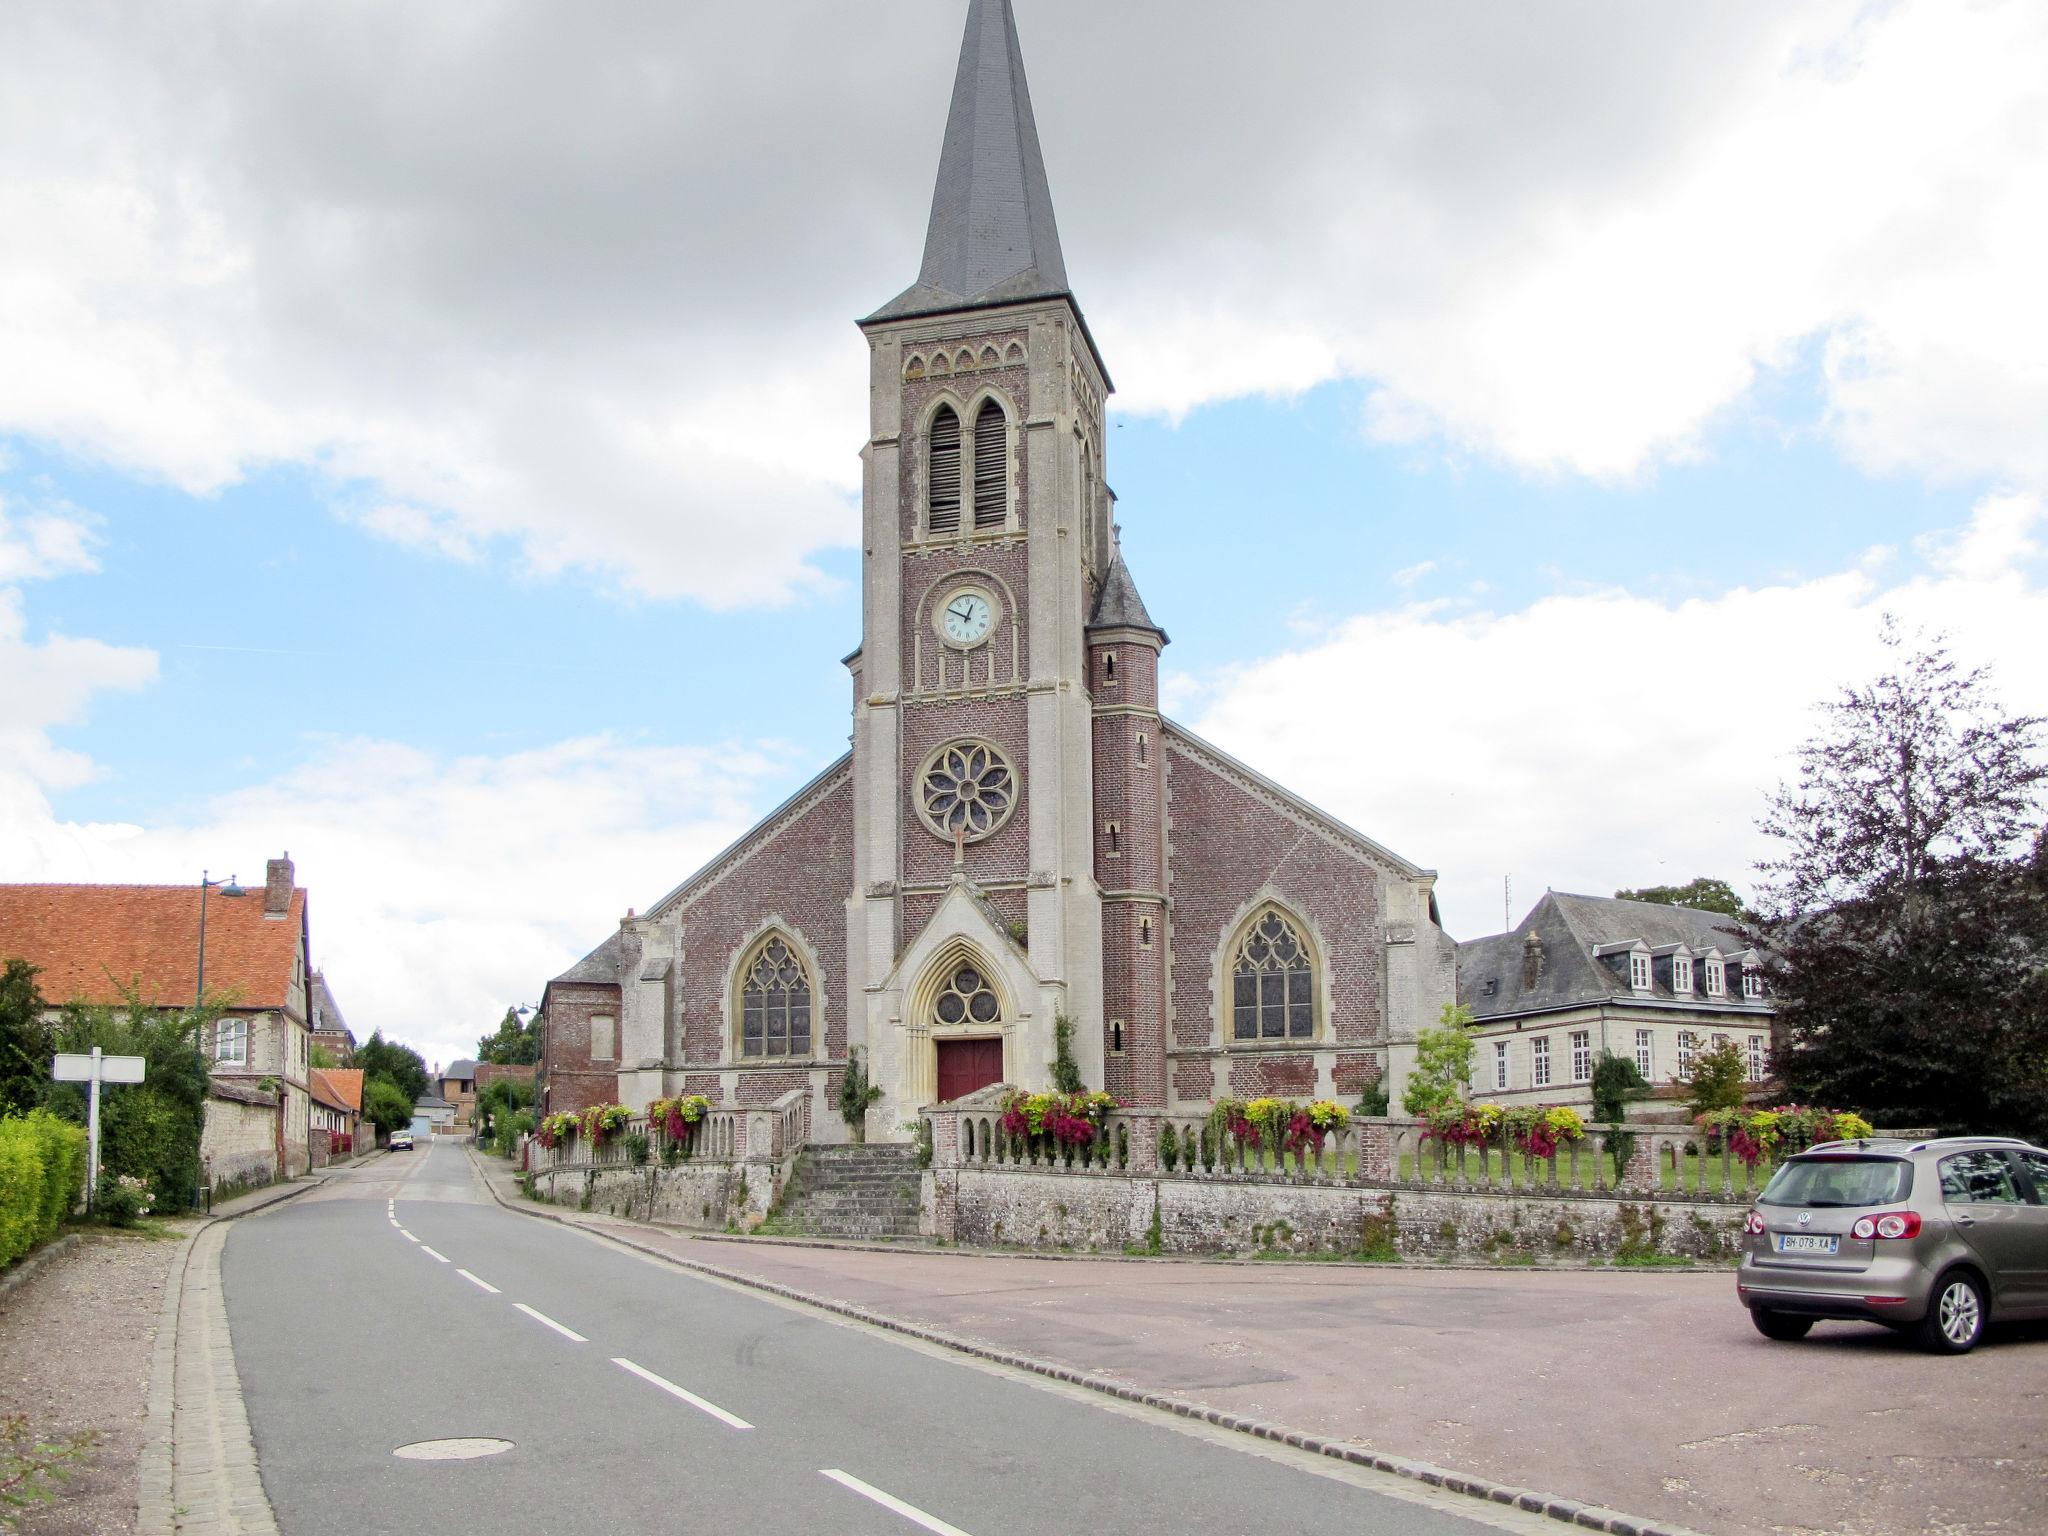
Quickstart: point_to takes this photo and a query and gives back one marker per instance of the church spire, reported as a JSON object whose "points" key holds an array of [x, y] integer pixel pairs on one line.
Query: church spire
{"points": [[992, 238]]}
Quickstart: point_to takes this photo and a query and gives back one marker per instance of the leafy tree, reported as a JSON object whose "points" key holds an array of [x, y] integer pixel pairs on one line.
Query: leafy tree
{"points": [[1905, 916], [386, 1105], [1617, 1083], [516, 1044], [151, 1129], [1718, 1076], [399, 1065], [1705, 894], [25, 1040], [498, 1097], [321, 1057], [1443, 1063]]}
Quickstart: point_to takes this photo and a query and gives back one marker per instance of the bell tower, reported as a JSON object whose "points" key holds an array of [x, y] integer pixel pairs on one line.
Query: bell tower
{"points": [[986, 542]]}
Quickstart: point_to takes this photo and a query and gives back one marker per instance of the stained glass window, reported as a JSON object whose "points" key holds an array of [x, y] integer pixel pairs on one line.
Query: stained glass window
{"points": [[1272, 994], [775, 1004]]}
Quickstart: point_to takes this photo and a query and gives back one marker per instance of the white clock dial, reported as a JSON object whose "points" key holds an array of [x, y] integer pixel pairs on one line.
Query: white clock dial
{"points": [[966, 618]]}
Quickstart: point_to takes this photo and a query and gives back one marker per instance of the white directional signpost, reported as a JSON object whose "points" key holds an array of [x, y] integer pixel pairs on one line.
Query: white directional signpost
{"points": [[94, 1070]]}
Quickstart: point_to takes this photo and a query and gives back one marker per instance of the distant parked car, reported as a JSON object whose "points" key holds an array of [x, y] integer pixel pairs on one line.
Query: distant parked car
{"points": [[1936, 1238], [401, 1141]]}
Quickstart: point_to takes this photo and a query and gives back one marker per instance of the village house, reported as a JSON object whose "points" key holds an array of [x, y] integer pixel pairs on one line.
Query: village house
{"points": [[337, 1114], [103, 944], [1018, 836], [1583, 975]]}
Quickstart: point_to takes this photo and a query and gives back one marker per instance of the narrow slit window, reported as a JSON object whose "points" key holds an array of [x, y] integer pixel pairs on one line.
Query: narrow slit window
{"points": [[1116, 1035], [1144, 933], [1142, 750], [1109, 666], [991, 466], [944, 513], [1115, 834]]}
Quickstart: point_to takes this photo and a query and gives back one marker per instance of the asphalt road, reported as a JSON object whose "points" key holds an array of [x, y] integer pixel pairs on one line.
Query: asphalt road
{"points": [[397, 1304]]}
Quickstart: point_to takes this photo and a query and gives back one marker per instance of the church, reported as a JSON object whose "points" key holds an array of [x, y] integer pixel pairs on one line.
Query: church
{"points": [[1018, 835]]}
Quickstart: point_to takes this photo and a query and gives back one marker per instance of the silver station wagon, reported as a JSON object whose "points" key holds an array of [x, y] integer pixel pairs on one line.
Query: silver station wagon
{"points": [[1937, 1238]]}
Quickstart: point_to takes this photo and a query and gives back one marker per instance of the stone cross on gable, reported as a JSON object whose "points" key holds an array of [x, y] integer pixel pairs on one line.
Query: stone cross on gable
{"points": [[959, 849]]}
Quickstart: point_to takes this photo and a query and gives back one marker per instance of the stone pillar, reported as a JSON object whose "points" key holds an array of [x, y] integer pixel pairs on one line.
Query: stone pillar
{"points": [[1639, 1174], [1376, 1160], [1143, 1155]]}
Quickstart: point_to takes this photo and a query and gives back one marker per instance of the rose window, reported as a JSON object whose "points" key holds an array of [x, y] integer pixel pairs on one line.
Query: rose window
{"points": [[968, 789], [967, 996]]}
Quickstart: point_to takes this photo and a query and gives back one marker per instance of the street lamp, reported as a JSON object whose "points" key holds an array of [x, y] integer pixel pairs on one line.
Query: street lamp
{"points": [[228, 887]]}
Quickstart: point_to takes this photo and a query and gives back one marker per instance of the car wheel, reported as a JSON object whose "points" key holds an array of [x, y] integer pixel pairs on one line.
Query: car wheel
{"points": [[1955, 1315], [1783, 1326]]}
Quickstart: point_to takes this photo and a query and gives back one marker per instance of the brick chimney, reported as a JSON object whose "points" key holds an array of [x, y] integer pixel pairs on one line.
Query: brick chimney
{"points": [[277, 886], [1532, 960]]}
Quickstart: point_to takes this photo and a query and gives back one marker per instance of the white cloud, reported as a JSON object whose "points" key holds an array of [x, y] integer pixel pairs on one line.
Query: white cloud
{"points": [[580, 281], [1408, 575], [50, 541], [442, 889], [1597, 740]]}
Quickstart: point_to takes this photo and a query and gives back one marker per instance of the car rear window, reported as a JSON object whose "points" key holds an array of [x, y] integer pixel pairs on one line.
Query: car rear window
{"points": [[1839, 1181]]}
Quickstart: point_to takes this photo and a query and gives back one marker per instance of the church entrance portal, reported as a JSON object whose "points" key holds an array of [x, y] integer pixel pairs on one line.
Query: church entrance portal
{"points": [[965, 1065]]}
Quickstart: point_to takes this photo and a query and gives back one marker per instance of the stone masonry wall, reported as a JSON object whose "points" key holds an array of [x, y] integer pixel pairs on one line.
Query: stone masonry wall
{"points": [[1109, 1213], [238, 1142]]}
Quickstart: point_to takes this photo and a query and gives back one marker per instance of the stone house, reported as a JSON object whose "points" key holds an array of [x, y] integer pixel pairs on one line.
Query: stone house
{"points": [[1580, 975], [456, 1083], [1018, 835], [97, 944]]}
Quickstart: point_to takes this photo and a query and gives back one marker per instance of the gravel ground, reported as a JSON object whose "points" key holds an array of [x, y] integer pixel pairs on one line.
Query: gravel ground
{"points": [[75, 1346]]}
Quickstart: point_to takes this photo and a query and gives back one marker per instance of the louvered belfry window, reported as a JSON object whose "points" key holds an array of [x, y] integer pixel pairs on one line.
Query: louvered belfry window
{"points": [[945, 472], [991, 456]]}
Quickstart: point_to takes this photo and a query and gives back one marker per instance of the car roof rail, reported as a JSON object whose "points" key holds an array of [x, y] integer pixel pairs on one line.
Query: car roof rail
{"points": [[1996, 1141]]}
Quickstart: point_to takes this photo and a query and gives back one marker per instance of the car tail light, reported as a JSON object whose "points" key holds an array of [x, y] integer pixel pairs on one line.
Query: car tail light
{"points": [[1892, 1224], [1754, 1225]]}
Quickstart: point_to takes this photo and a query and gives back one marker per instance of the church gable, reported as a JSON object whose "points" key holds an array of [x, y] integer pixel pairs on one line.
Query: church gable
{"points": [[785, 882], [1236, 854]]}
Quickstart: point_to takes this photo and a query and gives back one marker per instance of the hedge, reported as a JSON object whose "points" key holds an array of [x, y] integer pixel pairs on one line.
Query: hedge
{"points": [[42, 1171]]}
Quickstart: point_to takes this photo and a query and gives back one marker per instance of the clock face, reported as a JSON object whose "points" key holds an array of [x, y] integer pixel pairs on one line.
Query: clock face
{"points": [[966, 618]]}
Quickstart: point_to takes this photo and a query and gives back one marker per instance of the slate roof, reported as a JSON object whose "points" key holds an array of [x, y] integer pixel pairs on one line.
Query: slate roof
{"points": [[462, 1071], [326, 1011], [345, 1084], [1117, 605], [992, 238], [89, 941], [605, 965], [1570, 927]]}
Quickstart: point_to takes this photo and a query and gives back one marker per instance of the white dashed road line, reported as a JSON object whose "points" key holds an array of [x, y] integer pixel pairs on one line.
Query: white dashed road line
{"points": [[477, 1280], [890, 1502], [548, 1322], [407, 1235], [716, 1412], [430, 1253]]}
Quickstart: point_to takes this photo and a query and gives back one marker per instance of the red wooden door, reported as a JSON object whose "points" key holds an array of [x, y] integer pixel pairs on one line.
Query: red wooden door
{"points": [[965, 1065]]}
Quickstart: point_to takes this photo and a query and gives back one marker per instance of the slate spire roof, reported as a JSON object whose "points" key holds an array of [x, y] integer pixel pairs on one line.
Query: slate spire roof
{"points": [[992, 237], [1117, 605]]}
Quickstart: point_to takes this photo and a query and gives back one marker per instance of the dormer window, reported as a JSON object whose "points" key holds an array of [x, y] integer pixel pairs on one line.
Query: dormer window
{"points": [[1639, 972], [1752, 982], [1716, 978], [1681, 975]]}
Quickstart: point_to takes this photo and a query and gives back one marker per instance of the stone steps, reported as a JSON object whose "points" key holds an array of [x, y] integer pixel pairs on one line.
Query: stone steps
{"points": [[846, 1191]]}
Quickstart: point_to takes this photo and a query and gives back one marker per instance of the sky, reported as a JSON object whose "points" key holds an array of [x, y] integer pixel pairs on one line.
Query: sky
{"points": [[429, 435]]}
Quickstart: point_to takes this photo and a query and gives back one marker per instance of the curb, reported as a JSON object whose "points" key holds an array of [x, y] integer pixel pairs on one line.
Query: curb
{"points": [[29, 1265], [156, 1513], [1594, 1517]]}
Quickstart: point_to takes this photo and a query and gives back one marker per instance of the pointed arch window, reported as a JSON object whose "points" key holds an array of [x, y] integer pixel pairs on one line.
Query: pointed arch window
{"points": [[943, 506], [775, 994], [1272, 982], [991, 466]]}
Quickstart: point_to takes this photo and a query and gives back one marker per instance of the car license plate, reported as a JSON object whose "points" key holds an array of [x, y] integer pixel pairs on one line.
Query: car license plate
{"points": [[1806, 1242]]}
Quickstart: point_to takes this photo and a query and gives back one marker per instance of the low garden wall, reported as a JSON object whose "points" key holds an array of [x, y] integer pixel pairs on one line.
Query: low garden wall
{"points": [[1117, 1213], [1376, 1188], [725, 1169]]}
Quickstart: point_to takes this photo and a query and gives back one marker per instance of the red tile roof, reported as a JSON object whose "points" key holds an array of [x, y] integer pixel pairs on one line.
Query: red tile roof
{"points": [[345, 1084], [91, 941], [320, 1082]]}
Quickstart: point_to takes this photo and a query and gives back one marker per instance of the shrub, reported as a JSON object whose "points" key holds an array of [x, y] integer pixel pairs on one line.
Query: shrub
{"points": [[1616, 1084], [637, 1149], [42, 1166], [122, 1201], [1374, 1100], [1169, 1146], [1718, 1079], [1066, 1072], [148, 1130], [856, 1093]]}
